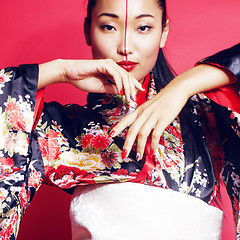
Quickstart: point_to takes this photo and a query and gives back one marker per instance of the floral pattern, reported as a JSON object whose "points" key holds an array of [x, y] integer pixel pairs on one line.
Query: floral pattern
{"points": [[20, 173], [71, 145]]}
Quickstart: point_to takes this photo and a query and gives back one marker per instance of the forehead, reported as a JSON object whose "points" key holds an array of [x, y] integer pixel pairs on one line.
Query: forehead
{"points": [[133, 7]]}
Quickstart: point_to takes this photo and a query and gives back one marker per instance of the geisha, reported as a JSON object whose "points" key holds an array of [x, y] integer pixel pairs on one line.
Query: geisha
{"points": [[72, 145]]}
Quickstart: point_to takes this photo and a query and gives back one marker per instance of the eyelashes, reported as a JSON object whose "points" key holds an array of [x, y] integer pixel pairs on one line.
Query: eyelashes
{"points": [[144, 28], [110, 28], [107, 27]]}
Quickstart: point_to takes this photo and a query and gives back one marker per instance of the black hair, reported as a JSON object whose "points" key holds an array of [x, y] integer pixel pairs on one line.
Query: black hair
{"points": [[162, 72]]}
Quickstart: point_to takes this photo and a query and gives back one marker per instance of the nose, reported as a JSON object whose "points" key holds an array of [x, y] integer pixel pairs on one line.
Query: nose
{"points": [[125, 46]]}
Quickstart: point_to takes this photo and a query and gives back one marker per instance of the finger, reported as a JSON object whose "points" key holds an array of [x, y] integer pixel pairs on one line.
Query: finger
{"points": [[132, 89], [108, 67], [126, 86], [133, 132], [137, 84], [130, 138], [124, 123], [155, 137], [143, 135], [109, 88]]}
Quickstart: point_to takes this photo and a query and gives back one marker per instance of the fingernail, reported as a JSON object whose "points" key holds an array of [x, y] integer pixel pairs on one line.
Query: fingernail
{"points": [[121, 92], [111, 134], [151, 153], [138, 157], [124, 153]]}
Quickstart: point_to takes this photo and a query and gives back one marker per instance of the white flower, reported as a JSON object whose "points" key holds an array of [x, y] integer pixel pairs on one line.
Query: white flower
{"points": [[184, 187], [82, 161], [198, 193], [197, 176], [15, 189], [203, 182]]}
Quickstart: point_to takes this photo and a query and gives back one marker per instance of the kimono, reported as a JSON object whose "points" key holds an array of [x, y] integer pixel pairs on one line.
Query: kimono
{"points": [[66, 146]]}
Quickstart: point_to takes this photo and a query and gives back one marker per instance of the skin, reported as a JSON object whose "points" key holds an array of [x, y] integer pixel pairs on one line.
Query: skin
{"points": [[147, 120], [144, 33], [88, 75], [140, 44]]}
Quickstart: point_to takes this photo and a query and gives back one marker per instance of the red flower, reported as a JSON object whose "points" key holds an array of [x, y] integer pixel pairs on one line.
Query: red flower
{"points": [[2, 80], [13, 106], [52, 134], [18, 120], [34, 179], [85, 140], [100, 141], [61, 171], [7, 161], [50, 148], [13, 221], [109, 158], [121, 171], [66, 181], [4, 234], [24, 196]]}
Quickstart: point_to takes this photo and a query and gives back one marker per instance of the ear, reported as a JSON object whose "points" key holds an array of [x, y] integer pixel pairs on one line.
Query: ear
{"points": [[87, 31], [164, 34]]}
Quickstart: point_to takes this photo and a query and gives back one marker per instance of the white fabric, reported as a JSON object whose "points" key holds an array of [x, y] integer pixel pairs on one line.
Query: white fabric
{"points": [[129, 211]]}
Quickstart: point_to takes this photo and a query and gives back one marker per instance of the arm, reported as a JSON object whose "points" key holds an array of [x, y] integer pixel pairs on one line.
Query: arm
{"points": [[147, 119]]}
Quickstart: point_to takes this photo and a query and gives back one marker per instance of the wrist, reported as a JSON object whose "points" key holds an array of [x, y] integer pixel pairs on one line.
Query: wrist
{"points": [[51, 72], [59, 68]]}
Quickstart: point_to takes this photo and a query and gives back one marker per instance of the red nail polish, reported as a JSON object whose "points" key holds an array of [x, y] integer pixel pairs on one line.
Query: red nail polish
{"points": [[151, 153], [124, 153], [110, 135], [121, 92]]}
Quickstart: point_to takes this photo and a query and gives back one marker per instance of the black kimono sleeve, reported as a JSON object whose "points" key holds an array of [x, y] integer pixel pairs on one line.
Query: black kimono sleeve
{"points": [[21, 166]]}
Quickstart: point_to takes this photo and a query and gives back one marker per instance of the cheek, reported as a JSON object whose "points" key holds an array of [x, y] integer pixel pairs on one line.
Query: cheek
{"points": [[149, 52], [101, 47]]}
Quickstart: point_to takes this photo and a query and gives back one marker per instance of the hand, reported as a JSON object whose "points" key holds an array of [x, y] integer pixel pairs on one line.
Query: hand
{"points": [[151, 118], [101, 76]]}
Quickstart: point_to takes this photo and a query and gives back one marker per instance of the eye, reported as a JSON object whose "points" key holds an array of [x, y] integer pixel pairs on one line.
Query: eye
{"points": [[107, 27], [144, 28]]}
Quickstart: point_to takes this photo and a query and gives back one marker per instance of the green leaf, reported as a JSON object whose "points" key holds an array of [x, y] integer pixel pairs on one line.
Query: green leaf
{"points": [[113, 148], [116, 165]]}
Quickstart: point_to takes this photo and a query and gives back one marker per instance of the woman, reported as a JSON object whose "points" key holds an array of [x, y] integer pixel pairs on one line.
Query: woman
{"points": [[74, 141], [169, 171]]}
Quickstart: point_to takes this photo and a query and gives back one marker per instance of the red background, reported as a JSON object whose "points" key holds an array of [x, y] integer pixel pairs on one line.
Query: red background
{"points": [[42, 30]]}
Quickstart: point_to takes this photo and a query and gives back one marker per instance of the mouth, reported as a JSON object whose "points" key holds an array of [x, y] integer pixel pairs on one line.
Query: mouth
{"points": [[127, 65]]}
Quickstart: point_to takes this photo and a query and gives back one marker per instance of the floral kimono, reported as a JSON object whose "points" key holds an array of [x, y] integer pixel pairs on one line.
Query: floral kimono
{"points": [[66, 146]]}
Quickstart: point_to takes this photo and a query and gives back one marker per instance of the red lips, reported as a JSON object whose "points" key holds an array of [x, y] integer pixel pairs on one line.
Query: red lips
{"points": [[127, 65]]}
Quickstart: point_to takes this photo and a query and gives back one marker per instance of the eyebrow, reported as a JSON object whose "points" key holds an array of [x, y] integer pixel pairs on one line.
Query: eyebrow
{"points": [[112, 15], [145, 15]]}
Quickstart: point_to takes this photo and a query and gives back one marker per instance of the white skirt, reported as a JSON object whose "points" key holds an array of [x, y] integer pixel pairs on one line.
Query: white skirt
{"points": [[132, 211]]}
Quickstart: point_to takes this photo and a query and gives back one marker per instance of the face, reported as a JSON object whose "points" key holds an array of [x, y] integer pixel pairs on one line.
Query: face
{"points": [[129, 32]]}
